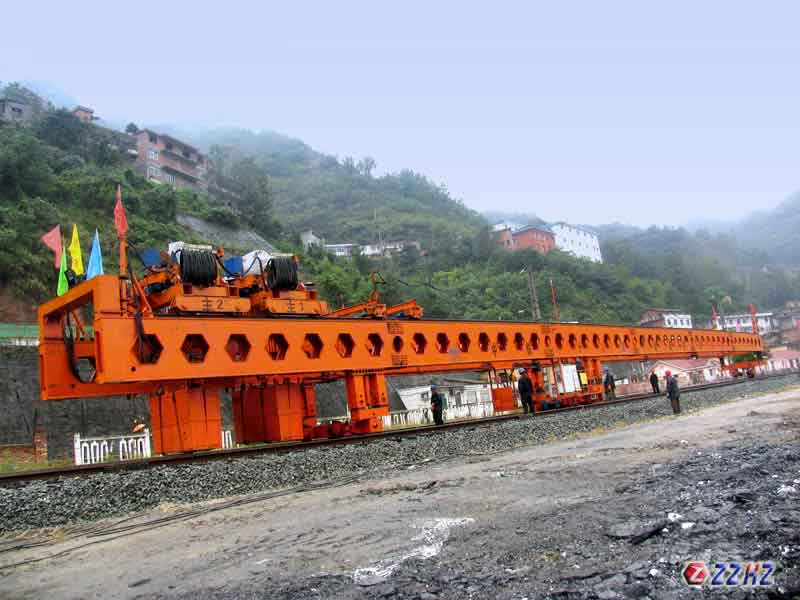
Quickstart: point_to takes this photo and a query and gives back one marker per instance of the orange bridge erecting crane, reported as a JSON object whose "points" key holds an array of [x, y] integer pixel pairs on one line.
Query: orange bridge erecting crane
{"points": [[188, 329]]}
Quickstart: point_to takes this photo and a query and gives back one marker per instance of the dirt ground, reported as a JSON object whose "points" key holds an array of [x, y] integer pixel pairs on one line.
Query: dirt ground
{"points": [[558, 520]]}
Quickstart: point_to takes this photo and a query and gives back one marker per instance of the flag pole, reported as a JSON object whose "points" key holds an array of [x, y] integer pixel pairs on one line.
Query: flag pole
{"points": [[123, 254]]}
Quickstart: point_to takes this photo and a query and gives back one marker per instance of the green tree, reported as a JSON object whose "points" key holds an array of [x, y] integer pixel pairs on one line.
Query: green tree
{"points": [[63, 130], [254, 197]]}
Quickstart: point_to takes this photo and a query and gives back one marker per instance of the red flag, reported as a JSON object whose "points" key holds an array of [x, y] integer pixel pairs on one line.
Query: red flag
{"points": [[52, 239], [120, 220]]}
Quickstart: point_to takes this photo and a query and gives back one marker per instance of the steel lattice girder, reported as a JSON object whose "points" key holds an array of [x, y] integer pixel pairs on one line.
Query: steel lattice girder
{"points": [[196, 348]]}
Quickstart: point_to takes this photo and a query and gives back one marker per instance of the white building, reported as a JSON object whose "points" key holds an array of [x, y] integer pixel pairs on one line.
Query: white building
{"points": [[506, 225], [579, 242], [307, 238], [342, 250], [744, 322], [665, 317], [690, 371], [387, 248]]}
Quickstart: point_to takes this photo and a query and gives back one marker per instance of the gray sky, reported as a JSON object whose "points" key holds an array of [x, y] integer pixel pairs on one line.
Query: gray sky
{"points": [[639, 112]]}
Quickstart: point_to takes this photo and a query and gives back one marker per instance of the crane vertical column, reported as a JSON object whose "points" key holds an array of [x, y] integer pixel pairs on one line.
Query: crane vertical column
{"points": [[594, 378], [272, 412], [185, 420], [367, 400]]}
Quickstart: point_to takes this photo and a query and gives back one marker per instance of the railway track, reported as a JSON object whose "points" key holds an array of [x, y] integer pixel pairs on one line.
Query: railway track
{"points": [[22, 478]]}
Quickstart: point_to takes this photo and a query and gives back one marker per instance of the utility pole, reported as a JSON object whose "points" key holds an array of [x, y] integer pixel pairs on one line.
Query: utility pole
{"points": [[537, 316], [555, 302]]}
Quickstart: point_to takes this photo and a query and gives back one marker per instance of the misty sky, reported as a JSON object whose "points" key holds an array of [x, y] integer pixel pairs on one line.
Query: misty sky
{"points": [[583, 111]]}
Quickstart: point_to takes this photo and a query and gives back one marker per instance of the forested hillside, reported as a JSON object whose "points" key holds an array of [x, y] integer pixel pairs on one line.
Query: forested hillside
{"points": [[343, 200], [702, 266], [775, 232], [42, 185]]}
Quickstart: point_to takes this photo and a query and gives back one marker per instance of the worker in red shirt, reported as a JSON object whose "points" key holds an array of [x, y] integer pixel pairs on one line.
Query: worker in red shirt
{"points": [[673, 393]]}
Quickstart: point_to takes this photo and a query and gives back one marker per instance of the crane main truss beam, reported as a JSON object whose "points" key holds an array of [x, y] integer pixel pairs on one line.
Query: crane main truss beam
{"points": [[231, 348], [182, 343]]}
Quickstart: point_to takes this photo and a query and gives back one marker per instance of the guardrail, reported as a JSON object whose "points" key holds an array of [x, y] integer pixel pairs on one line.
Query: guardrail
{"points": [[96, 450], [424, 416], [19, 334]]}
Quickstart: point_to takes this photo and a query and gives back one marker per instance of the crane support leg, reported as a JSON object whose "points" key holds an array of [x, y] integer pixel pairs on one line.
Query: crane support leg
{"points": [[540, 395], [309, 411], [594, 378], [271, 412], [185, 420], [367, 400]]}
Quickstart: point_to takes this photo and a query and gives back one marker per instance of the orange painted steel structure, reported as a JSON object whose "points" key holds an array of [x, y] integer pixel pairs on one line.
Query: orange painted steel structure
{"points": [[182, 359]]}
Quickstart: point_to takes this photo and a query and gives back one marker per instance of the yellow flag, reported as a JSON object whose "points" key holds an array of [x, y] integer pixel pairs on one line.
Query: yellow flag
{"points": [[75, 252]]}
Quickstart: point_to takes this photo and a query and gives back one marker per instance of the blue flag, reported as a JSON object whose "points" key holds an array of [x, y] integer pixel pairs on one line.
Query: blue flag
{"points": [[95, 266]]}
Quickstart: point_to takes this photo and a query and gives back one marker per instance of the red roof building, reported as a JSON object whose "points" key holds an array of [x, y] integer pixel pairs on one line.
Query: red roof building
{"points": [[782, 360], [689, 371], [84, 114], [166, 159], [530, 237]]}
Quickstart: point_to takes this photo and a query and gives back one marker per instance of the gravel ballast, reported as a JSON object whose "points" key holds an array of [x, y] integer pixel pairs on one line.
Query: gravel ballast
{"points": [[58, 503]]}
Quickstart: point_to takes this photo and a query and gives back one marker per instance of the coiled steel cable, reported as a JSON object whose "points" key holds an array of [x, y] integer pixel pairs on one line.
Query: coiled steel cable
{"points": [[282, 273], [198, 267]]}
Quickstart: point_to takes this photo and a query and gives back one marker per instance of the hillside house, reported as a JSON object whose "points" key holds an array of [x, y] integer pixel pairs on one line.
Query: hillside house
{"points": [[308, 239], [781, 360], [342, 250], [689, 371], [12, 111], [577, 241], [665, 317], [387, 248], [165, 159], [84, 114], [528, 237], [766, 322]]}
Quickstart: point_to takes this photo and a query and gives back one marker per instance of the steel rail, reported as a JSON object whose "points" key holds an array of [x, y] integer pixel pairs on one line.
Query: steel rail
{"points": [[21, 478]]}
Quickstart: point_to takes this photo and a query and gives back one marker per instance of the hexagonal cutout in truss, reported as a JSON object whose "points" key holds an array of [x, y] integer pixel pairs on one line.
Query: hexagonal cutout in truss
{"points": [[374, 344], [86, 369], [534, 341], [483, 342], [442, 343], [194, 348], [502, 342], [519, 341], [345, 345], [147, 349], [464, 342], [312, 345], [419, 343], [238, 347], [277, 346]]}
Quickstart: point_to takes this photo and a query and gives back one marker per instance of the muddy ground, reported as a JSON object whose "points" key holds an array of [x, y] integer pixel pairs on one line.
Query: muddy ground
{"points": [[611, 515]]}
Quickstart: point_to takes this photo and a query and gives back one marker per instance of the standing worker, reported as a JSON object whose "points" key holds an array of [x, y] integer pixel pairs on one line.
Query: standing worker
{"points": [[437, 405], [525, 387], [610, 386], [654, 383], [674, 393]]}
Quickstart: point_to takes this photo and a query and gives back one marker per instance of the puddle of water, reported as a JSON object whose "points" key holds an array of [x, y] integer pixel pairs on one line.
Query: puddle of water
{"points": [[433, 534]]}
